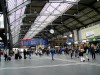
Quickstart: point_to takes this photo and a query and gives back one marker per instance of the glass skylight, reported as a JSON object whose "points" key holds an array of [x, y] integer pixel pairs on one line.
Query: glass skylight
{"points": [[16, 17], [1, 21], [49, 13]]}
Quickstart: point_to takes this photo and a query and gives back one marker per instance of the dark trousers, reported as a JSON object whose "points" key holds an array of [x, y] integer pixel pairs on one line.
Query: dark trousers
{"points": [[76, 54], [52, 56], [5, 57], [71, 55], [93, 55], [24, 56], [0, 58]]}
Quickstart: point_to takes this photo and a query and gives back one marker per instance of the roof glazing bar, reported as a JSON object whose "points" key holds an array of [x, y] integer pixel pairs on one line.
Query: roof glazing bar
{"points": [[19, 7]]}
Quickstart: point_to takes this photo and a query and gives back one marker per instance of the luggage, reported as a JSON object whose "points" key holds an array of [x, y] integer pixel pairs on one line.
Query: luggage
{"points": [[20, 57], [9, 58], [82, 59], [16, 56]]}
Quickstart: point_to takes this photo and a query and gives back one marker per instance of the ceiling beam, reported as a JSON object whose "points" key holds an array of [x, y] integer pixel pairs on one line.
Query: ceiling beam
{"points": [[58, 31], [90, 6], [68, 28], [45, 35], [78, 21]]}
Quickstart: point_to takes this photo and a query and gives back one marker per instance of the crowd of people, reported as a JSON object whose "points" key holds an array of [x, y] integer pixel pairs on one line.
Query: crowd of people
{"points": [[79, 51]]}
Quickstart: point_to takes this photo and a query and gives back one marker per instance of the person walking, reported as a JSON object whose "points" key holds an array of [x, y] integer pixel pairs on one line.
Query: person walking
{"points": [[71, 52], [76, 51], [93, 51], [0, 55], [24, 52], [52, 50], [29, 53], [16, 54], [86, 51], [60, 50], [47, 52], [81, 52], [5, 55]]}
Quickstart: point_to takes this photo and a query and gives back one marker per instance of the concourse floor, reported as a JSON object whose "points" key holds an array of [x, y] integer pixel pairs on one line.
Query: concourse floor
{"points": [[62, 65]]}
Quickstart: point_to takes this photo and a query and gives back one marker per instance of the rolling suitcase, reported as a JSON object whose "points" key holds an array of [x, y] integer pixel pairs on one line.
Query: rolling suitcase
{"points": [[9, 58]]}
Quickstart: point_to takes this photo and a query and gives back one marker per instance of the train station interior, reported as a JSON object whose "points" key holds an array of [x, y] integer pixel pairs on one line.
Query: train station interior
{"points": [[49, 37]]}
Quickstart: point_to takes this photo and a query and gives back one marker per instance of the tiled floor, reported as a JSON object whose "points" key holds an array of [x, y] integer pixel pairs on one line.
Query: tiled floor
{"points": [[62, 65]]}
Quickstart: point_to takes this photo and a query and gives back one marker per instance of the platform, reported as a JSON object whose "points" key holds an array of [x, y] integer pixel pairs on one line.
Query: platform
{"points": [[62, 65]]}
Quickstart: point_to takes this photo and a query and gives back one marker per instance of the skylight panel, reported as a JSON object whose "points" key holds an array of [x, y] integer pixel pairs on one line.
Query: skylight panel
{"points": [[23, 10], [46, 13], [18, 13], [50, 18], [55, 5], [50, 9], [56, 13], [32, 29], [49, 13], [45, 7], [19, 2], [72, 0], [62, 8], [11, 4], [42, 18], [12, 17]]}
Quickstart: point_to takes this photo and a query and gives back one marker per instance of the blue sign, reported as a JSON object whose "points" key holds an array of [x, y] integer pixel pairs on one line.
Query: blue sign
{"points": [[1, 45], [34, 42], [70, 40], [26, 42]]}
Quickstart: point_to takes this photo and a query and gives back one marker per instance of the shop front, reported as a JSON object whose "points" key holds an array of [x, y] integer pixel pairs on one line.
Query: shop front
{"points": [[91, 34]]}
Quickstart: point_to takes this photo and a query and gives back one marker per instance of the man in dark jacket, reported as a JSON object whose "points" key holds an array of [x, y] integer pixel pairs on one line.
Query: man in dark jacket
{"points": [[52, 50], [24, 52], [93, 51]]}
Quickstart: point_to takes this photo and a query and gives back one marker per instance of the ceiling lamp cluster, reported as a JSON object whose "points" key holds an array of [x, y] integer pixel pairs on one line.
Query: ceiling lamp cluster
{"points": [[44, 20]]}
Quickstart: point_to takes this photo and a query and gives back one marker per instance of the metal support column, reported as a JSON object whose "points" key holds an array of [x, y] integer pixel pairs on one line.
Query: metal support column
{"points": [[5, 21], [6, 26]]}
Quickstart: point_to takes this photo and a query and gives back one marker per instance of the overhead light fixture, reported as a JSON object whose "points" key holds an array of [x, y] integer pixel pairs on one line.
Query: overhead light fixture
{"points": [[97, 0], [70, 35], [65, 36], [30, 21]]}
